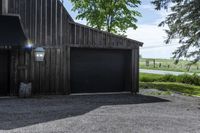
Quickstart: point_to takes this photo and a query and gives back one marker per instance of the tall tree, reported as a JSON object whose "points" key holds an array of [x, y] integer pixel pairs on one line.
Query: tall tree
{"points": [[184, 25], [114, 16]]}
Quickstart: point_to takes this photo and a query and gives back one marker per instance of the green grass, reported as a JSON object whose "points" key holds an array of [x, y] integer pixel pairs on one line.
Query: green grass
{"points": [[180, 67], [186, 89], [144, 77], [185, 78], [182, 83]]}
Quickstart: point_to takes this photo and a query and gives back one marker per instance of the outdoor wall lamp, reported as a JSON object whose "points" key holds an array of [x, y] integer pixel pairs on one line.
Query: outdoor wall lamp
{"points": [[28, 46], [39, 54]]}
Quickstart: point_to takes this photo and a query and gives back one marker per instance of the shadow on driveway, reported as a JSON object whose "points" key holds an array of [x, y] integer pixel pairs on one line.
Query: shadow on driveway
{"points": [[16, 113]]}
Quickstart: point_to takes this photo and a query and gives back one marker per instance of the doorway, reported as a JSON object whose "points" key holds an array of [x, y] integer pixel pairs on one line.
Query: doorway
{"points": [[4, 72]]}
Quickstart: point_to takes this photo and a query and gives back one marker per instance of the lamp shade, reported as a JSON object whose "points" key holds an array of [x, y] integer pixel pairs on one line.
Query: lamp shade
{"points": [[39, 54]]}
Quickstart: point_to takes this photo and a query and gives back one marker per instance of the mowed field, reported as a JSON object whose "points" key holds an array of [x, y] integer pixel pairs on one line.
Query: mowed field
{"points": [[169, 65]]}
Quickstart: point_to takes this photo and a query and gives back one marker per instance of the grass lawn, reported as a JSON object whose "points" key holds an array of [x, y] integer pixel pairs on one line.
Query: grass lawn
{"points": [[145, 77], [186, 89], [168, 65], [152, 81]]}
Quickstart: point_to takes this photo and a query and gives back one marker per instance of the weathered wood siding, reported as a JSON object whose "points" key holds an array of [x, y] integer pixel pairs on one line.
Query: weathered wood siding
{"points": [[0, 7], [47, 23], [43, 22], [84, 36]]}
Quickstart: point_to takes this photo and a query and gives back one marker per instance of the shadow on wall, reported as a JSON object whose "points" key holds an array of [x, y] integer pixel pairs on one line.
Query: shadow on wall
{"points": [[16, 113]]}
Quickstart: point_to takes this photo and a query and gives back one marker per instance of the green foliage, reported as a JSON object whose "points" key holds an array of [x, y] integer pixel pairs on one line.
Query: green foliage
{"points": [[149, 77], [183, 23], [188, 79], [185, 78], [114, 16], [168, 78], [170, 86]]}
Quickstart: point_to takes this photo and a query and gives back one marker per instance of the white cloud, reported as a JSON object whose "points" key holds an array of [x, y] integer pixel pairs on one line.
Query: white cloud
{"points": [[152, 35]]}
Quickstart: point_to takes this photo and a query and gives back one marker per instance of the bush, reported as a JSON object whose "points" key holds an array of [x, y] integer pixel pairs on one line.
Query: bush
{"points": [[188, 79], [185, 78], [168, 78], [196, 79]]}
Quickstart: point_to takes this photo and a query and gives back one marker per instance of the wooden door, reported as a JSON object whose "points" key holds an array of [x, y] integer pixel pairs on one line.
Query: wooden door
{"points": [[4, 72]]}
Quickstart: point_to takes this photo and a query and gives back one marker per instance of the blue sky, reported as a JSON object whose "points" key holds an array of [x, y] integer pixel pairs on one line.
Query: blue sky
{"points": [[147, 32]]}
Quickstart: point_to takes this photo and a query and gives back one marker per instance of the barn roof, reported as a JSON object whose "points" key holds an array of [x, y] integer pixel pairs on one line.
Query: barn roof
{"points": [[11, 33]]}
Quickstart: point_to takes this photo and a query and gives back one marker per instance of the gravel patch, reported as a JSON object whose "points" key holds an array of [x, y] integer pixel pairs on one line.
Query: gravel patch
{"points": [[121, 113]]}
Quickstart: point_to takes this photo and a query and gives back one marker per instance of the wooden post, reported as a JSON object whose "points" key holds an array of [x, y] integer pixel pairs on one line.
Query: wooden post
{"points": [[135, 71], [154, 63], [160, 65], [147, 63]]}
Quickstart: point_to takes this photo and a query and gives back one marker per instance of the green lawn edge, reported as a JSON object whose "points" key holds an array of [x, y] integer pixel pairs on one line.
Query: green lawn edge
{"points": [[185, 89]]}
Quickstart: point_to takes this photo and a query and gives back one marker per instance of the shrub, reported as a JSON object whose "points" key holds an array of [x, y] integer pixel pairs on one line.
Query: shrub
{"points": [[185, 78], [168, 78], [188, 79], [196, 79]]}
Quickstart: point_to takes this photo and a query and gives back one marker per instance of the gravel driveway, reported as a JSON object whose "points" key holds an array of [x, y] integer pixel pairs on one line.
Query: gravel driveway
{"points": [[119, 113]]}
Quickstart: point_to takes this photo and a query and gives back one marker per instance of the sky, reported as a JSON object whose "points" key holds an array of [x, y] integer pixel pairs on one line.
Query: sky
{"points": [[147, 32]]}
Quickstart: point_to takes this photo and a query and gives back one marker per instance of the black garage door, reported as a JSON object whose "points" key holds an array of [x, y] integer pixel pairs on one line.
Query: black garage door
{"points": [[99, 70], [4, 72]]}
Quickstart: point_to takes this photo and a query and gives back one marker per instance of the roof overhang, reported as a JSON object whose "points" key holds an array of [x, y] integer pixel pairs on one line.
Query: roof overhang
{"points": [[11, 31]]}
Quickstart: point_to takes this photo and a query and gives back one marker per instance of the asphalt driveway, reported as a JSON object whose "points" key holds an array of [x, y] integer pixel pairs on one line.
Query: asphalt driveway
{"points": [[119, 113]]}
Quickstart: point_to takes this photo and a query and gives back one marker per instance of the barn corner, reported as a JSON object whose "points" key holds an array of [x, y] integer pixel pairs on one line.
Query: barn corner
{"points": [[77, 59]]}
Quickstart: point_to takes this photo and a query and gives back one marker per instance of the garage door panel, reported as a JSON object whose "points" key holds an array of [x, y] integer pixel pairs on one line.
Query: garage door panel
{"points": [[95, 70]]}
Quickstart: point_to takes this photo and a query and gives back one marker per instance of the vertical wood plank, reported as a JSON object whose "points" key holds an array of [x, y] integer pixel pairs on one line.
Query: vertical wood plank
{"points": [[1, 7], [4, 6], [68, 81], [65, 70], [57, 69], [47, 71], [33, 80], [62, 71], [53, 72]]}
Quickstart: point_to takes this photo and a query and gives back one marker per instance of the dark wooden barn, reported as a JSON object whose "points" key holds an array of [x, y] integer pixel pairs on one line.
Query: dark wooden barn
{"points": [[78, 59]]}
